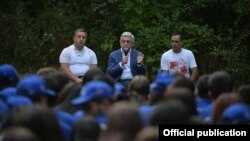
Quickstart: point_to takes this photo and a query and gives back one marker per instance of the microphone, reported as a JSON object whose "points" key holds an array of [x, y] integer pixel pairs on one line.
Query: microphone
{"points": [[125, 50]]}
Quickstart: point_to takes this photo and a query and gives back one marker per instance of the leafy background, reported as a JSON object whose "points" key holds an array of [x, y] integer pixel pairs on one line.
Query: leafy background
{"points": [[33, 33]]}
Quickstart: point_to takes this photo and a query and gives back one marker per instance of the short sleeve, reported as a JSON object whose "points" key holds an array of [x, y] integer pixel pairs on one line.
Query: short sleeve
{"points": [[65, 56], [93, 58], [164, 63], [192, 61]]}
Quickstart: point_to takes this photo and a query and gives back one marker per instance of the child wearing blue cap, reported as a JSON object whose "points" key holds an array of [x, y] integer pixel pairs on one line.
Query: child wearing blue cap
{"points": [[8, 76], [95, 98]]}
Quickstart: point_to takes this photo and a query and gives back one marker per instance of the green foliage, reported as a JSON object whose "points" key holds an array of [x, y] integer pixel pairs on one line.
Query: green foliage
{"points": [[217, 31]]}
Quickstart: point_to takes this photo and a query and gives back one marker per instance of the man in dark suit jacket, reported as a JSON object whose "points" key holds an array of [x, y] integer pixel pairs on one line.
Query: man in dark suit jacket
{"points": [[126, 62]]}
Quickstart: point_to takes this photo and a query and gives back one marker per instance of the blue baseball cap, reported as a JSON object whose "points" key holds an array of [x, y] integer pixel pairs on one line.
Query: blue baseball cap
{"points": [[8, 73], [92, 91], [237, 114], [7, 92], [161, 82], [64, 117], [33, 85], [119, 89], [164, 78], [18, 100]]}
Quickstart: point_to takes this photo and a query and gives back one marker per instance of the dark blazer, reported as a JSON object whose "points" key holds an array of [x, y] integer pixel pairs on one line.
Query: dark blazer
{"points": [[115, 70]]}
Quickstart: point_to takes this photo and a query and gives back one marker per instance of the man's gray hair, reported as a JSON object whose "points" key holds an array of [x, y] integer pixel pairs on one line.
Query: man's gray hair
{"points": [[128, 34]]}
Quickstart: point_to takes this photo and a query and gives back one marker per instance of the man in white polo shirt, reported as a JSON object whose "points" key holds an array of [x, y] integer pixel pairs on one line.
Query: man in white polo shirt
{"points": [[77, 59]]}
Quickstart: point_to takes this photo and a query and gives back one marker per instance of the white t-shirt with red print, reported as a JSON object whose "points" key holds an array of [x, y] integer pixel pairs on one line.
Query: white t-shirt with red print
{"points": [[178, 62]]}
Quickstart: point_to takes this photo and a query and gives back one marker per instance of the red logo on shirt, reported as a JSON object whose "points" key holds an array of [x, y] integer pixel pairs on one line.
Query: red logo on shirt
{"points": [[183, 69], [173, 64]]}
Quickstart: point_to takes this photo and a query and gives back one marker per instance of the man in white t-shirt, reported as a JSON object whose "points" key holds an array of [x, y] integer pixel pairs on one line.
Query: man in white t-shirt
{"points": [[77, 59], [179, 59]]}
